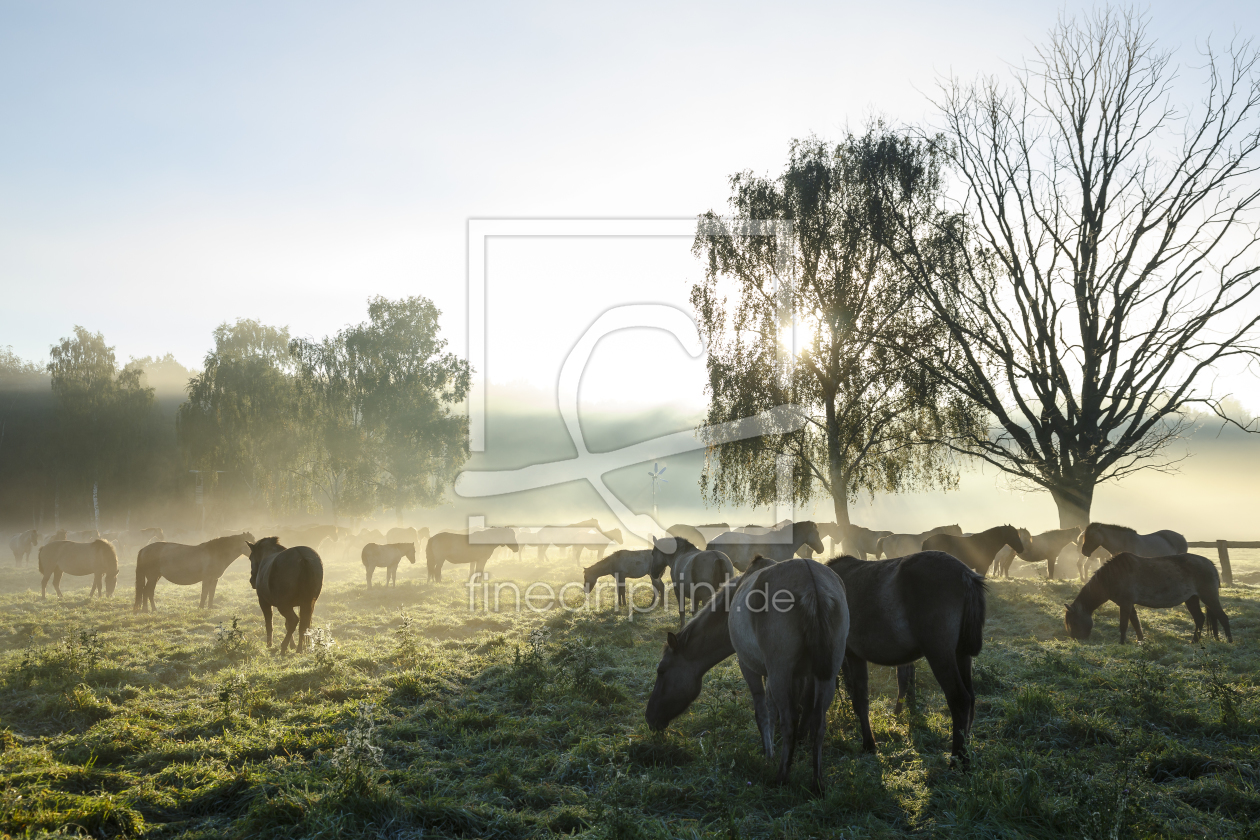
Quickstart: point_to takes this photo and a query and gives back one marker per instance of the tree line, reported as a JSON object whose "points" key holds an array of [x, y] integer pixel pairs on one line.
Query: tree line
{"points": [[357, 422], [1047, 281]]}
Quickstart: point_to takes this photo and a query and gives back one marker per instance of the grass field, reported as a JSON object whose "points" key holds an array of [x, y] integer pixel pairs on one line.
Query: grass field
{"points": [[416, 717]]}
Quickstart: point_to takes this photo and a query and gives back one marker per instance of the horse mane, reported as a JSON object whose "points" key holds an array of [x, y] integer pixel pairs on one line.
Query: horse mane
{"points": [[600, 567], [221, 542], [681, 544], [270, 542], [1109, 574], [698, 622], [1121, 528]]}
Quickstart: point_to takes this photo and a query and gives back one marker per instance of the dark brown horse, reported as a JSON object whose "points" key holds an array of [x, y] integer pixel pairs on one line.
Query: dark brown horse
{"points": [[788, 623], [778, 543], [185, 565], [388, 556], [1159, 582], [287, 579], [22, 544], [978, 550], [925, 605]]}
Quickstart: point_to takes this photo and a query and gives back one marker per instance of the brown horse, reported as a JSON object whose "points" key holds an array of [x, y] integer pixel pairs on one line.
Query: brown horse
{"points": [[903, 545], [287, 579], [978, 550], [96, 558], [788, 623], [22, 544], [388, 556], [185, 565], [695, 574], [690, 534], [778, 543], [1117, 539], [621, 564], [926, 605], [1043, 548], [1158, 582], [459, 547]]}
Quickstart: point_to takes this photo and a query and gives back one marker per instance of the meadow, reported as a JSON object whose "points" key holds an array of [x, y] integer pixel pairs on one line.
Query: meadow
{"points": [[413, 716]]}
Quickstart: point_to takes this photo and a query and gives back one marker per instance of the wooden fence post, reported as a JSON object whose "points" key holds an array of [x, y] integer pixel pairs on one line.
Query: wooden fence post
{"points": [[1222, 552]]}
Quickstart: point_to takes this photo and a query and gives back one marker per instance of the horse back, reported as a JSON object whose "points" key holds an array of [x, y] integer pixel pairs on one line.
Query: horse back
{"points": [[291, 578]]}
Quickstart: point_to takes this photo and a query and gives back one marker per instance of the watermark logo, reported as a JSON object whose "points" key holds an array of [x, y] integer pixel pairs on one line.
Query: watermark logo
{"points": [[592, 466]]}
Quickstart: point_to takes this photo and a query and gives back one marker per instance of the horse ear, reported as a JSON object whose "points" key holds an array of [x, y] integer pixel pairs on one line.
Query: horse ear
{"points": [[672, 641], [250, 544]]}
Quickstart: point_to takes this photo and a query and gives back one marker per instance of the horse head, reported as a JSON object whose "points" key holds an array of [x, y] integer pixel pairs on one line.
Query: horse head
{"points": [[1091, 539], [1077, 621], [259, 552], [410, 553], [1012, 537], [806, 533], [678, 682]]}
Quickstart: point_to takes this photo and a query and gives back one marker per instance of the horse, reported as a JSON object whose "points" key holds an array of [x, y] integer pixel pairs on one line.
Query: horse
{"points": [[1043, 548], [459, 547], [287, 579], [1117, 539], [389, 556], [22, 544], [1130, 580], [621, 564], [185, 565], [779, 543], [928, 604], [695, 574], [690, 534], [903, 545], [87, 536], [978, 550], [97, 558], [860, 541], [788, 623]]}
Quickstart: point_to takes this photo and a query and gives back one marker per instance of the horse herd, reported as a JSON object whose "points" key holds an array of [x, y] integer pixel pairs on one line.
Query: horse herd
{"points": [[795, 625]]}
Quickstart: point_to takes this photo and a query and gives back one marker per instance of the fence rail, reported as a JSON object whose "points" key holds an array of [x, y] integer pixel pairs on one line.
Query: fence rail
{"points": [[1222, 553]]}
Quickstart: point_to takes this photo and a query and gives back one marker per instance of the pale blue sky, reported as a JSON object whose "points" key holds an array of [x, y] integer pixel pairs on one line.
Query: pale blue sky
{"points": [[165, 167]]}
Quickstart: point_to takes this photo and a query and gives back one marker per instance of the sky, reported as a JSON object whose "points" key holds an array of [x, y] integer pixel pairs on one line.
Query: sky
{"points": [[168, 167]]}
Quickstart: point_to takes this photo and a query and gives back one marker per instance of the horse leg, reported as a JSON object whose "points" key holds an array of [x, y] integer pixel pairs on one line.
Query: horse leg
{"points": [[290, 624], [305, 611], [964, 671], [204, 589], [149, 591], [57, 582], [783, 695], [961, 701], [1050, 568], [1217, 615], [43, 586], [856, 682], [214, 587], [369, 570], [1137, 625], [1196, 614], [823, 693], [761, 710], [905, 685], [96, 587]]}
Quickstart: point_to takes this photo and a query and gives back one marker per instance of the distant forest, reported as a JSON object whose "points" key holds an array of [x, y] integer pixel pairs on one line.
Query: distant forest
{"points": [[275, 426]]}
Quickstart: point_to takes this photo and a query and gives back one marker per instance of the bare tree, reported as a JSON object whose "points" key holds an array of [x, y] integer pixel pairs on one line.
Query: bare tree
{"points": [[1099, 264]]}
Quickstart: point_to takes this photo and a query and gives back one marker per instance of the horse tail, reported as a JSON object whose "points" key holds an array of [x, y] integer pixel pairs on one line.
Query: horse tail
{"points": [[106, 557], [311, 577], [820, 635], [971, 627]]}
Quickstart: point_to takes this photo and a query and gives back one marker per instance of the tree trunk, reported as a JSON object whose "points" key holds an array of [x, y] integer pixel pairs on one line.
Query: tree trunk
{"points": [[841, 502], [1073, 502]]}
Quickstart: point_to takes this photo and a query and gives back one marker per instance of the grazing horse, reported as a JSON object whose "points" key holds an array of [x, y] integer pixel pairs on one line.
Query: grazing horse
{"points": [[860, 541], [788, 624], [977, 550], [22, 544], [690, 534], [96, 558], [1129, 580], [459, 547], [389, 556], [287, 579], [185, 565], [925, 605], [695, 574], [903, 545], [1043, 548], [779, 543], [621, 564]]}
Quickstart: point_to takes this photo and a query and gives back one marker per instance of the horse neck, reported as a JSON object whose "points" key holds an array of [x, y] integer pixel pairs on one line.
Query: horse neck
{"points": [[1092, 595], [709, 642]]}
